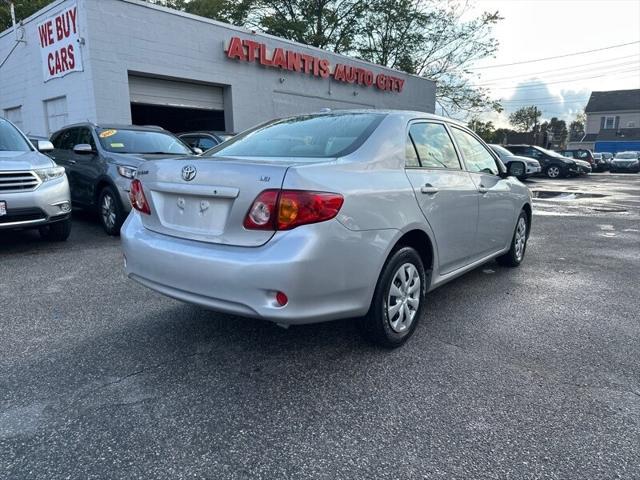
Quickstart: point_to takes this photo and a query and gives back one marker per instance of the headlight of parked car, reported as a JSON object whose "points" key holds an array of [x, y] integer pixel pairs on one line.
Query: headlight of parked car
{"points": [[52, 173], [127, 172]]}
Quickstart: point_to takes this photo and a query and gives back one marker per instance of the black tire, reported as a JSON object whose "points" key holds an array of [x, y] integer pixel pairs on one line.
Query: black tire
{"points": [[514, 257], [113, 219], [56, 232], [376, 325]]}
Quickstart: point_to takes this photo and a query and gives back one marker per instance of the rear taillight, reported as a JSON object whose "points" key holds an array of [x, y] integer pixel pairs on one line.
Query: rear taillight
{"points": [[138, 200], [287, 209]]}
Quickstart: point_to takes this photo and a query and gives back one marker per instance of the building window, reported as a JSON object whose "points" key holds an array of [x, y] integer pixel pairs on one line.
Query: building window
{"points": [[609, 122], [14, 115], [55, 110]]}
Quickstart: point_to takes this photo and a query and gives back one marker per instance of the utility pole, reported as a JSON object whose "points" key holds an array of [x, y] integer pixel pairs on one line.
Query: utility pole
{"points": [[12, 11]]}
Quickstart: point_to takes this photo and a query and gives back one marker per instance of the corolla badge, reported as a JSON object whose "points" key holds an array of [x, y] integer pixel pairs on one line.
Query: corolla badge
{"points": [[189, 173]]}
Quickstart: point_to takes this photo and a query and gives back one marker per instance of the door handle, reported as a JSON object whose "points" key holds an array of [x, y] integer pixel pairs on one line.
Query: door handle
{"points": [[428, 189], [71, 162], [482, 189]]}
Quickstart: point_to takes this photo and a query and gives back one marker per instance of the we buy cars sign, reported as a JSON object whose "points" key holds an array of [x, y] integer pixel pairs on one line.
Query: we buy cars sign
{"points": [[59, 44]]}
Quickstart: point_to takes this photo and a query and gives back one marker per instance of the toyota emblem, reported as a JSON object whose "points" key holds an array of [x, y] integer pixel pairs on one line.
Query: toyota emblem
{"points": [[188, 173]]}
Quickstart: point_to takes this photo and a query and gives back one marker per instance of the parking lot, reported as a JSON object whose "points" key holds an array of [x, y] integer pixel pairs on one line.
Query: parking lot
{"points": [[514, 373]]}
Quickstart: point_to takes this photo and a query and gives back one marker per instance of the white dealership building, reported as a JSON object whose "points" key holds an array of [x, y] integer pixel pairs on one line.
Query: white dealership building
{"points": [[128, 61]]}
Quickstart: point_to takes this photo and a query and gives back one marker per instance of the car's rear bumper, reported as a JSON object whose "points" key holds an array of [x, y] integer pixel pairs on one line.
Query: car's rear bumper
{"points": [[48, 203], [326, 271]]}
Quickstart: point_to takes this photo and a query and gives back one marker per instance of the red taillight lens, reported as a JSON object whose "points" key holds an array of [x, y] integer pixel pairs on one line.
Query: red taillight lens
{"points": [[138, 200], [297, 208], [287, 209]]}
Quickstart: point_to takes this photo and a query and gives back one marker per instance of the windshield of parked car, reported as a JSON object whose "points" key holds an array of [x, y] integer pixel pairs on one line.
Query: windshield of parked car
{"points": [[10, 139], [627, 155], [316, 136], [501, 151], [141, 141]]}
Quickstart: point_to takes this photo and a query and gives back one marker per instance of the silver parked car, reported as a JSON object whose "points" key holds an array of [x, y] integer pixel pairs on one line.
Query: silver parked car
{"points": [[625, 162], [34, 192], [326, 216]]}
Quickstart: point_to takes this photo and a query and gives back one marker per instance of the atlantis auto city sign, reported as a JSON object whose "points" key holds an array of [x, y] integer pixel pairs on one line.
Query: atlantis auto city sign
{"points": [[252, 51]]}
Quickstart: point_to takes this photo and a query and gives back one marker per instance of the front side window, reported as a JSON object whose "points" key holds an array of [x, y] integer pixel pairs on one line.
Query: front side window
{"points": [[311, 136], [476, 156], [66, 139], [86, 138], [434, 146], [10, 139], [141, 141]]}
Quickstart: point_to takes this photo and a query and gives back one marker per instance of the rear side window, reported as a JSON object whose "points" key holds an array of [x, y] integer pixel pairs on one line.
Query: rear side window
{"points": [[434, 146], [315, 136], [476, 156]]}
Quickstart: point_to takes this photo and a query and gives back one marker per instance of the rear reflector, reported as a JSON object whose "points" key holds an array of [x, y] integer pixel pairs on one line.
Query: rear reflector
{"points": [[282, 299], [138, 200], [288, 209]]}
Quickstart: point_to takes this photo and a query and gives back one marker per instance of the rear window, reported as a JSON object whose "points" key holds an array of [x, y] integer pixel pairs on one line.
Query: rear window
{"points": [[315, 136]]}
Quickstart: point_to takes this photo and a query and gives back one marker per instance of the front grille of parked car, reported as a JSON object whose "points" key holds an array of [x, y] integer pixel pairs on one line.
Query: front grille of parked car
{"points": [[18, 181], [22, 215]]}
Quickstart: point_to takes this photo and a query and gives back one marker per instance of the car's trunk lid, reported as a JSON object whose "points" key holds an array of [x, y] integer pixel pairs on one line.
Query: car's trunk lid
{"points": [[211, 206]]}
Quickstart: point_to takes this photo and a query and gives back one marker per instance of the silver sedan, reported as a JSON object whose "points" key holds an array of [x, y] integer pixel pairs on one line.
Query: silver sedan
{"points": [[327, 216]]}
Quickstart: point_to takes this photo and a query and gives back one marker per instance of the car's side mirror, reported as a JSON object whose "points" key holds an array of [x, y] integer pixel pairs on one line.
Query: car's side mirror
{"points": [[197, 150], [83, 149], [44, 146], [516, 168]]}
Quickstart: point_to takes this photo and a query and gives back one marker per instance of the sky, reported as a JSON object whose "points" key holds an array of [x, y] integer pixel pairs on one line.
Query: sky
{"points": [[535, 29]]}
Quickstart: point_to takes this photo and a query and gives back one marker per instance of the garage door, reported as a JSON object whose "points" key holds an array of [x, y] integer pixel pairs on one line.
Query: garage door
{"points": [[171, 93]]}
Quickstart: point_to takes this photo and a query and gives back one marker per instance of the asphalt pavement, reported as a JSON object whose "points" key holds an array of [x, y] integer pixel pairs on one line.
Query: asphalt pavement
{"points": [[514, 373]]}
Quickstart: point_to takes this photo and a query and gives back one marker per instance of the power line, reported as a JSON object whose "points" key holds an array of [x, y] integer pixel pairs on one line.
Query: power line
{"points": [[538, 87], [557, 56], [604, 68], [561, 68]]}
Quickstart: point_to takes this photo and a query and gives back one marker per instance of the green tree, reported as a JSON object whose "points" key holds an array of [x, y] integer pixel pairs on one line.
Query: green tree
{"points": [[229, 11], [577, 128], [436, 39], [329, 24], [559, 131], [24, 9], [525, 119], [484, 130]]}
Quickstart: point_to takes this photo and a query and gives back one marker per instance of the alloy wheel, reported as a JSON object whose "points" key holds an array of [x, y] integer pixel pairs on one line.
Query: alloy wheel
{"points": [[553, 172], [521, 238], [108, 210], [403, 299]]}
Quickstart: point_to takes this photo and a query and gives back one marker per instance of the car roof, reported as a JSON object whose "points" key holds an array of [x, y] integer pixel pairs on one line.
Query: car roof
{"points": [[114, 126], [200, 132], [402, 113]]}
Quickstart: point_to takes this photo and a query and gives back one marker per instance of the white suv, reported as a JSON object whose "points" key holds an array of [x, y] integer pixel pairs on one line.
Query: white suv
{"points": [[34, 191]]}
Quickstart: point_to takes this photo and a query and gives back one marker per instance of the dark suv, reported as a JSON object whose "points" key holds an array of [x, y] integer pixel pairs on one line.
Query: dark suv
{"points": [[553, 164], [100, 162], [580, 154]]}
